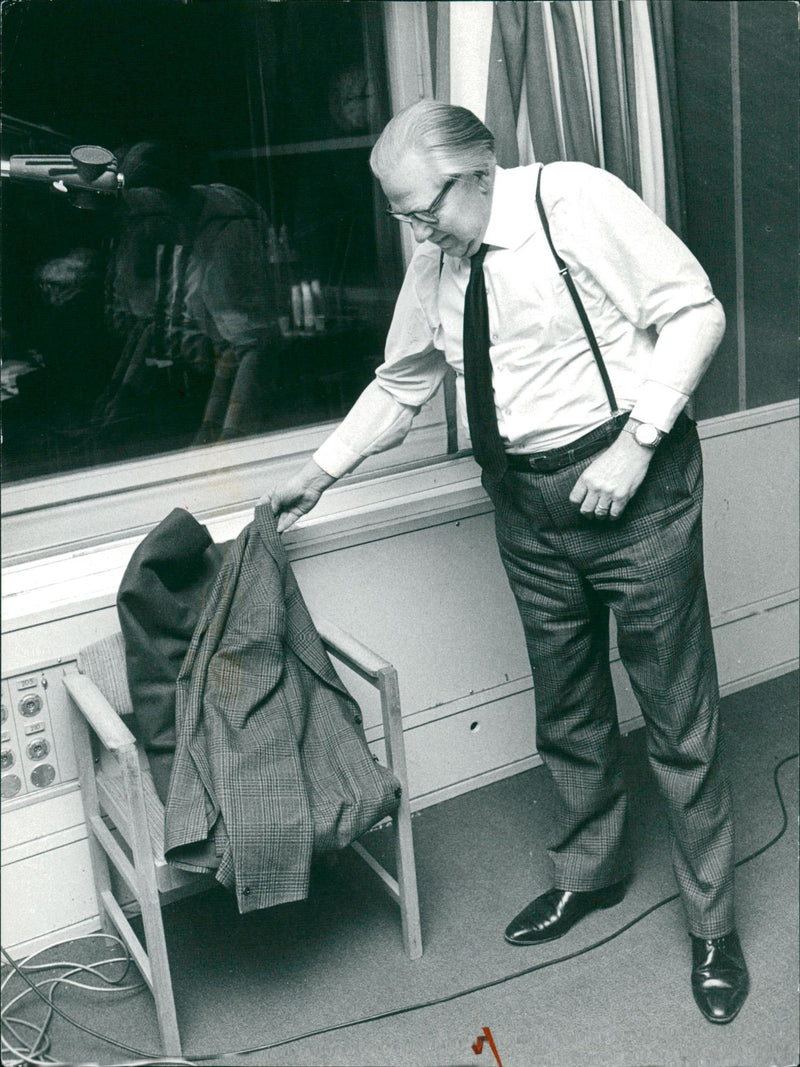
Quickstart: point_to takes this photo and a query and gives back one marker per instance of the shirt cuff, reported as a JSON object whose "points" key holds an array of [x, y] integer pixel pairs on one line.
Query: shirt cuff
{"points": [[335, 457], [659, 405]]}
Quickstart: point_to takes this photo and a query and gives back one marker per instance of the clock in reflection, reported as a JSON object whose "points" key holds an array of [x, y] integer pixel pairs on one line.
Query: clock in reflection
{"points": [[352, 99]]}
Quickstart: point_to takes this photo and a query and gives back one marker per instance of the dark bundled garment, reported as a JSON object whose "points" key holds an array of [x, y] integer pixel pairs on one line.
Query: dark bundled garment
{"points": [[269, 762], [160, 601]]}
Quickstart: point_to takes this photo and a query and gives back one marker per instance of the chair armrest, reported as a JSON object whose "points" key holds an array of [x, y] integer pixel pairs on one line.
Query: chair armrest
{"points": [[383, 675], [101, 716], [352, 652]]}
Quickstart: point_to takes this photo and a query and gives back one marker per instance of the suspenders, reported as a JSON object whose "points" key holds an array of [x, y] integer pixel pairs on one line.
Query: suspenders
{"points": [[563, 270]]}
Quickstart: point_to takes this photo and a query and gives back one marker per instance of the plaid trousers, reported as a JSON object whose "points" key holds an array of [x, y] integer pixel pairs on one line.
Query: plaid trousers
{"points": [[567, 572]]}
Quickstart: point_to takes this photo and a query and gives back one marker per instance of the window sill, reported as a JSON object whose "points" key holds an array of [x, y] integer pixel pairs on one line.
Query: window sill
{"points": [[47, 517], [83, 577], [359, 509]]}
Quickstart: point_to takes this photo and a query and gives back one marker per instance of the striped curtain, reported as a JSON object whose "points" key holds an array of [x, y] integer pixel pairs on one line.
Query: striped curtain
{"points": [[588, 80]]}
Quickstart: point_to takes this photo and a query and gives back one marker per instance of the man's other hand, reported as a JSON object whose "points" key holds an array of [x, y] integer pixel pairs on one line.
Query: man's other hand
{"points": [[608, 484]]}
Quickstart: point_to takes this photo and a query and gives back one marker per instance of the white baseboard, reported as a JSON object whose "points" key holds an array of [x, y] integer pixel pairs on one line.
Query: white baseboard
{"points": [[24, 949]]}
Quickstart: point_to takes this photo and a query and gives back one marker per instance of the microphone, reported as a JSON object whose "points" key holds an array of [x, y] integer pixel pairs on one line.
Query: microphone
{"points": [[87, 172]]}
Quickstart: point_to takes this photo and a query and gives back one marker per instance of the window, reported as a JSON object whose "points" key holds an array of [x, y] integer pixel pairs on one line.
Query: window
{"points": [[239, 278], [737, 72]]}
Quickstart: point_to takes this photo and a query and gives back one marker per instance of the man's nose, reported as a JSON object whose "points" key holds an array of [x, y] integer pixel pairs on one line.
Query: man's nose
{"points": [[421, 230]]}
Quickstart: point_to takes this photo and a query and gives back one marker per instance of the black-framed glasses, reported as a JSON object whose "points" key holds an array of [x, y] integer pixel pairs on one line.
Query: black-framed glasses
{"points": [[428, 217]]}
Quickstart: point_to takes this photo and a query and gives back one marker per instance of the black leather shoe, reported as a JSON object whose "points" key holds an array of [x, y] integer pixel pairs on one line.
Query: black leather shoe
{"points": [[556, 911], [720, 982]]}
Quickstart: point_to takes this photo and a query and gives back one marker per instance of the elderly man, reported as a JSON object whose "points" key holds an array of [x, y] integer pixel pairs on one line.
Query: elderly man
{"points": [[578, 326]]}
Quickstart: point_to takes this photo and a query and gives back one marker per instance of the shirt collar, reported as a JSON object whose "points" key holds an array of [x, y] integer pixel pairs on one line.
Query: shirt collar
{"points": [[513, 217]]}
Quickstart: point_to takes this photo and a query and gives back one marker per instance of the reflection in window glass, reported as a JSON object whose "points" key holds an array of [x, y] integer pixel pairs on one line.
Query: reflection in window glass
{"points": [[194, 248]]}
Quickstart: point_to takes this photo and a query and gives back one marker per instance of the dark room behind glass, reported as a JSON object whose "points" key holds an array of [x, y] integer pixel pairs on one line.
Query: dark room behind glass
{"points": [[239, 277]]}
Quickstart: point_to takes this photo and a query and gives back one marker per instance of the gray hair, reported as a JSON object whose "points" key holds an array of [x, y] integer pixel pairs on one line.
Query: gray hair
{"points": [[454, 139]]}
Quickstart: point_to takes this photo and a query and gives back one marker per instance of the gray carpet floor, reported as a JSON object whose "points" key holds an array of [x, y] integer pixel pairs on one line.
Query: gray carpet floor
{"points": [[243, 982]]}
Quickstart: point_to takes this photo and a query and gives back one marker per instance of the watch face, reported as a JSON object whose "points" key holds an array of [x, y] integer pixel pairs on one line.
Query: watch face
{"points": [[647, 435]]}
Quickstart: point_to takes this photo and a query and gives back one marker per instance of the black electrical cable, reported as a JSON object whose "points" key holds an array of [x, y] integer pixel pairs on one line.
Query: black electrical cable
{"points": [[48, 1000], [425, 1003]]}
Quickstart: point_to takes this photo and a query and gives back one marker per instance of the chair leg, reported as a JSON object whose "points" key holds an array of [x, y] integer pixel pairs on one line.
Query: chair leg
{"points": [[161, 978], [150, 904], [100, 867], [407, 880], [401, 821], [102, 877], [151, 959]]}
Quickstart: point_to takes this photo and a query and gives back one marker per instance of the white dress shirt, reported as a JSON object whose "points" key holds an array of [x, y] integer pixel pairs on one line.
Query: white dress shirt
{"points": [[633, 275]]}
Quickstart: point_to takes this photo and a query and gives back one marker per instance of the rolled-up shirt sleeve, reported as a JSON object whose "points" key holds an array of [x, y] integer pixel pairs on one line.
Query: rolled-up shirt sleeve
{"points": [[412, 371]]}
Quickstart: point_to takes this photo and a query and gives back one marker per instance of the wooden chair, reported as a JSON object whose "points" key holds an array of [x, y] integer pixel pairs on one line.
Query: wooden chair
{"points": [[117, 787]]}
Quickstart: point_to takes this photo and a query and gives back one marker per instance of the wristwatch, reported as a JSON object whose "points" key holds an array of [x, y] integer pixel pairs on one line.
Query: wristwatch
{"points": [[644, 433]]}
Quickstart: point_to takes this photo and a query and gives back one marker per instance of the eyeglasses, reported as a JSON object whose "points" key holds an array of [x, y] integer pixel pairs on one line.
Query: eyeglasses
{"points": [[428, 217]]}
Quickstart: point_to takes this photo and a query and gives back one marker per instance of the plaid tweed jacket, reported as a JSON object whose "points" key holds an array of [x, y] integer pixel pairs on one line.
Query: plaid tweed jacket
{"points": [[270, 761]]}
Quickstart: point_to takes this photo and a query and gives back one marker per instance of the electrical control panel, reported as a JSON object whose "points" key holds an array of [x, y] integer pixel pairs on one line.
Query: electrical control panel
{"points": [[36, 752]]}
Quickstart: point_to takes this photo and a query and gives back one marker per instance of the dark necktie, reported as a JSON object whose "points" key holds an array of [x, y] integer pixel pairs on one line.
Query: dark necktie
{"points": [[486, 444]]}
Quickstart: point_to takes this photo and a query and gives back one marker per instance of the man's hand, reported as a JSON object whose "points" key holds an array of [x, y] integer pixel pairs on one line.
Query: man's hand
{"points": [[607, 485], [298, 495]]}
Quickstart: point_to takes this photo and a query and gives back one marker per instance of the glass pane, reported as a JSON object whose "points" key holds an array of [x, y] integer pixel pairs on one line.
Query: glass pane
{"points": [[703, 52], [239, 276], [767, 97], [768, 47]]}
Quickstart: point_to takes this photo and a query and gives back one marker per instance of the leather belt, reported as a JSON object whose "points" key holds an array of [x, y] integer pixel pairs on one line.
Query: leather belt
{"points": [[590, 443], [557, 458]]}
